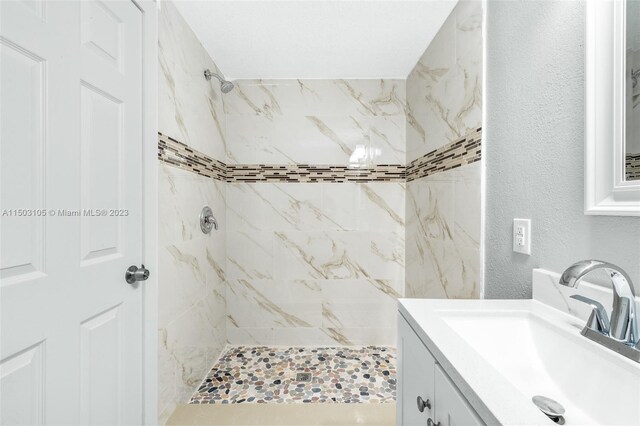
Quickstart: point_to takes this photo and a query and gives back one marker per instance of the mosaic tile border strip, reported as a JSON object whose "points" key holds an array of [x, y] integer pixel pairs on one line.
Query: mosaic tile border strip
{"points": [[301, 173], [632, 167], [179, 155], [261, 374], [465, 150]]}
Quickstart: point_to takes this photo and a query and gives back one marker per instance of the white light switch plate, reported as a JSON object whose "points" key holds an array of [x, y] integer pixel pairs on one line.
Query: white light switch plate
{"points": [[522, 236]]}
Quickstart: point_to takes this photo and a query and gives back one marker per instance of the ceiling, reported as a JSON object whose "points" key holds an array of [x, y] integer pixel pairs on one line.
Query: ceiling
{"points": [[315, 39]]}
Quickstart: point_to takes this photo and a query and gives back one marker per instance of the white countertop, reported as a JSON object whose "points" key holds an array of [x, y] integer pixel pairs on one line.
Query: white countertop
{"points": [[495, 399], [488, 384]]}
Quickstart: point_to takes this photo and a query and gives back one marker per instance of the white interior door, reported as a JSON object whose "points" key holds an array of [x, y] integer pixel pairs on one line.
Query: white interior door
{"points": [[71, 191]]}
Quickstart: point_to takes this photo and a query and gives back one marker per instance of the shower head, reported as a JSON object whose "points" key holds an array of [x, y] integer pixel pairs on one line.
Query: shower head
{"points": [[225, 86]]}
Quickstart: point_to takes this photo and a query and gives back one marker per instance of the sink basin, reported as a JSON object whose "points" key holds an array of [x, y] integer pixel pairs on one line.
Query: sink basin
{"points": [[501, 353], [541, 353]]}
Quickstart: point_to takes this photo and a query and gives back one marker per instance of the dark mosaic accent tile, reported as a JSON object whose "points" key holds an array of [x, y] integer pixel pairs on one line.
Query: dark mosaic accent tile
{"points": [[179, 155], [314, 173], [245, 374], [632, 167], [466, 150]]}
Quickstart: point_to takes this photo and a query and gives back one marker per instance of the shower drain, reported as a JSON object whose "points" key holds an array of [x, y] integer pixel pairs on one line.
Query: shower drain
{"points": [[303, 377]]}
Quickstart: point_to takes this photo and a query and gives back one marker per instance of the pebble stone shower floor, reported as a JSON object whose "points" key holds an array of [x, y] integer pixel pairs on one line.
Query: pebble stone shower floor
{"points": [[249, 374]]}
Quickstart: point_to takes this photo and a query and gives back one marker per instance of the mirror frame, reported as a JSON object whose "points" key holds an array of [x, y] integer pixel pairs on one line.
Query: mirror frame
{"points": [[606, 190]]}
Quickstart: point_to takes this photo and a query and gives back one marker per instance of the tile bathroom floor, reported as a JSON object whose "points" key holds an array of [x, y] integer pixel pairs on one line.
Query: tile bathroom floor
{"points": [[283, 415], [259, 374]]}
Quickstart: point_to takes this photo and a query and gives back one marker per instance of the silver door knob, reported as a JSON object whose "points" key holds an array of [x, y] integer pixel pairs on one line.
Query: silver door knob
{"points": [[135, 274], [422, 404]]}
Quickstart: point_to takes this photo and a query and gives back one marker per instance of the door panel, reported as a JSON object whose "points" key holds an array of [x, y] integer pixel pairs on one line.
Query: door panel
{"points": [[101, 354], [102, 173], [22, 376], [72, 146], [23, 103], [102, 32]]}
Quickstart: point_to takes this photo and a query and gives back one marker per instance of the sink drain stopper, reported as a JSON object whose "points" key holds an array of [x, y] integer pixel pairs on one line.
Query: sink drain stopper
{"points": [[553, 409]]}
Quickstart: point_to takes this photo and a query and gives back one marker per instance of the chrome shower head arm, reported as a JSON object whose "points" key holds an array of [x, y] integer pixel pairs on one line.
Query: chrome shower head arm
{"points": [[225, 85], [208, 74]]}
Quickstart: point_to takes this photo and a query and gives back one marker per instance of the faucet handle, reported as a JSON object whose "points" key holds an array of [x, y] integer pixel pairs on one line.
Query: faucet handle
{"points": [[598, 320]]}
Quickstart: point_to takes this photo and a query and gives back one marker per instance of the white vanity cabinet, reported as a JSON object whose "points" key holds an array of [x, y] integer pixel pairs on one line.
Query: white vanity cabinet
{"points": [[420, 376], [416, 377], [451, 407]]}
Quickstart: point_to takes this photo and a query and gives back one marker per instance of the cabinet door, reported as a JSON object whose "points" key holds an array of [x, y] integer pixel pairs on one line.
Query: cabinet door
{"points": [[416, 369], [451, 408]]}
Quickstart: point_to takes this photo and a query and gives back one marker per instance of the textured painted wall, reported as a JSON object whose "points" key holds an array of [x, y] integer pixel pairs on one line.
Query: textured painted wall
{"points": [[444, 97], [191, 284], [534, 148], [314, 263]]}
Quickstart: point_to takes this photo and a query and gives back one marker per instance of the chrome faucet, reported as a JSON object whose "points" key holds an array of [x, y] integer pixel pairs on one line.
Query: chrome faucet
{"points": [[621, 333]]}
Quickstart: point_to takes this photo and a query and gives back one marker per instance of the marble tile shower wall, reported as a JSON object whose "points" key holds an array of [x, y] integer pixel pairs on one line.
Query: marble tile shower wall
{"points": [[443, 211], [191, 277], [314, 263], [310, 263]]}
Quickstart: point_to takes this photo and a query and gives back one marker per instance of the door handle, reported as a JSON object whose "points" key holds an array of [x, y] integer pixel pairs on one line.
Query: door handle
{"points": [[431, 423], [422, 404], [134, 274]]}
